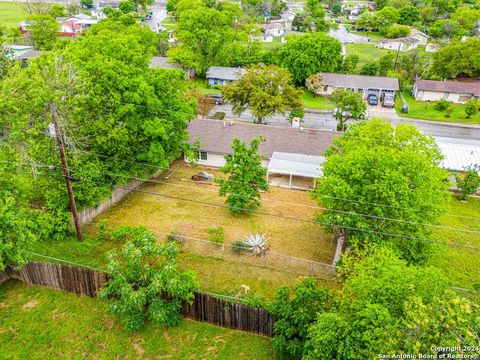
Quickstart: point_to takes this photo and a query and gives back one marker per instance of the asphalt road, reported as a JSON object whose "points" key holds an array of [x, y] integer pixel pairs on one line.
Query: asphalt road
{"points": [[342, 35], [325, 120], [159, 14]]}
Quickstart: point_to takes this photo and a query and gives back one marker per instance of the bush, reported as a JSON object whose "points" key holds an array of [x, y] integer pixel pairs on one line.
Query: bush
{"points": [[176, 237], [441, 105], [469, 182], [219, 115], [238, 247], [396, 31], [472, 107], [144, 282], [216, 234]]}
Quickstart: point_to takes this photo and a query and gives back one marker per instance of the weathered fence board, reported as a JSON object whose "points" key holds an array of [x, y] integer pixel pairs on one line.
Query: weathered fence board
{"points": [[88, 282]]}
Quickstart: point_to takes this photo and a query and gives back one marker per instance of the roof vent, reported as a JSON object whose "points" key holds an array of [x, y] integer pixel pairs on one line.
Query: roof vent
{"points": [[231, 123]]}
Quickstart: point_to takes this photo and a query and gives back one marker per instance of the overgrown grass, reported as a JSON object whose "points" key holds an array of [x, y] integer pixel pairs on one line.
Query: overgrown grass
{"points": [[38, 323], [425, 110], [11, 13], [461, 265]]}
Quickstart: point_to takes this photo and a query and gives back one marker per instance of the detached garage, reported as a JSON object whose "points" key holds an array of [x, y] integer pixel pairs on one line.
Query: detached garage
{"points": [[293, 157]]}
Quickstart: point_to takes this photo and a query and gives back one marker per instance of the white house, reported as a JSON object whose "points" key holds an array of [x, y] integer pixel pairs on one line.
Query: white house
{"points": [[420, 36], [454, 91], [217, 75], [293, 157], [166, 63], [366, 85], [400, 44]]}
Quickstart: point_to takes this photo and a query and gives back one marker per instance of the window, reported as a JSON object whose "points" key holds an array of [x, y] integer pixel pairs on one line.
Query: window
{"points": [[202, 155]]}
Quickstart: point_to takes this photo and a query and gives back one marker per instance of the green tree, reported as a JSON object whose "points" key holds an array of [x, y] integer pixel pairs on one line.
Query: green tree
{"points": [[446, 28], [265, 90], [349, 105], [44, 31], [127, 6], [86, 3], [472, 107], [396, 31], [144, 282], [202, 34], [386, 17], [17, 235], [56, 10], [350, 63], [466, 17], [294, 314], [413, 65], [369, 69], [386, 63], [469, 182], [409, 15], [246, 177], [457, 57], [384, 172], [389, 307], [309, 54]]}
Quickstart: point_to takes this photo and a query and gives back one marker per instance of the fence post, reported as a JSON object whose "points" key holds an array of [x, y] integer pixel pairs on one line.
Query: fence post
{"points": [[223, 250], [311, 268]]}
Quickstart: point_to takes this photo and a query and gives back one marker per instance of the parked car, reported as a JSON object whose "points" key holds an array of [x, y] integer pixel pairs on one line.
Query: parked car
{"points": [[388, 100], [217, 98], [372, 99]]}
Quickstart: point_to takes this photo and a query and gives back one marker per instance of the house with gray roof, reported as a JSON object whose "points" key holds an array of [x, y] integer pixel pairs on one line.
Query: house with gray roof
{"points": [[399, 44], [455, 91], [217, 75], [364, 84], [167, 63], [293, 156]]}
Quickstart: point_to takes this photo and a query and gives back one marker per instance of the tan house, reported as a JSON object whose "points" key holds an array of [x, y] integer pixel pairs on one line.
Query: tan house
{"points": [[401, 44], [366, 85], [453, 91]]}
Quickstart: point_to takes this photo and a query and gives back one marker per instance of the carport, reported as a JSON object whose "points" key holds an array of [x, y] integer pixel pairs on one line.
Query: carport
{"points": [[294, 171]]}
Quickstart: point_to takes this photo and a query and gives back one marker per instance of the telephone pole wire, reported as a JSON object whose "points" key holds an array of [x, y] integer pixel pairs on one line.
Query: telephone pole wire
{"points": [[66, 175]]}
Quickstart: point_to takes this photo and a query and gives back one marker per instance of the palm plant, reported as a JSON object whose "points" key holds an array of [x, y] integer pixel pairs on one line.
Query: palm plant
{"points": [[257, 243]]}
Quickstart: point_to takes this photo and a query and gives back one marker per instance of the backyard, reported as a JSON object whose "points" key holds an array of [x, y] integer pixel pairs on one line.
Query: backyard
{"points": [[38, 323], [366, 52], [425, 110], [11, 13]]}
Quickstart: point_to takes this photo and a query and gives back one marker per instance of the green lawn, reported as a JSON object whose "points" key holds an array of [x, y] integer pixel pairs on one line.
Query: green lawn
{"points": [[38, 323], [366, 52], [462, 266], [309, 100], [11, 13], [425, 110], [316, 102]]}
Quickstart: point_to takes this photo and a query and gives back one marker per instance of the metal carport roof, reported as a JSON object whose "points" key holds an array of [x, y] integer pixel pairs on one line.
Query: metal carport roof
{"points": [[308, 166]]}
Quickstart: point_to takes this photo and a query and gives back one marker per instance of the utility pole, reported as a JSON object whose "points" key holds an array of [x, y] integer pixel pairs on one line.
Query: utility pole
{"points": [[396, 57], [66, 174]]}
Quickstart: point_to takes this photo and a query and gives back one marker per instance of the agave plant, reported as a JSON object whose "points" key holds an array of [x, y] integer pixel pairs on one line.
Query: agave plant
{"points": [[256, 243]]}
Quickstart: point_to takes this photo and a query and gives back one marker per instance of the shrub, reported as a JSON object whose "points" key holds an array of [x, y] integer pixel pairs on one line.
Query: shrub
{"points": [[472, 107], [176, 237], [216, 234], [469, 182], [396, 31], [144, 282], [219, 115], [441, 105], [448, 112], [238, 247]]}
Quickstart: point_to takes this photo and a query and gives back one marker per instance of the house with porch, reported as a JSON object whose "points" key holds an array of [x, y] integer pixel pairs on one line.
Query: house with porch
{"points": [[400, 44], [364, 84], [293, 157]]}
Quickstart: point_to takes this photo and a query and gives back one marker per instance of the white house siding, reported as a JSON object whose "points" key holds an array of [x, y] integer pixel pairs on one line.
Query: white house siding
{"points": [[218, 160], [425, 95]]}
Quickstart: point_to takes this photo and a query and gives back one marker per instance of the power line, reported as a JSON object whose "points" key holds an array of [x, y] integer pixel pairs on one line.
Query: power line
{"points": [[293, 203]]}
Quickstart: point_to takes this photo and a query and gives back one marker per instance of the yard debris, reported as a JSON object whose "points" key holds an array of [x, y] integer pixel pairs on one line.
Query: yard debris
{"points": [[202, 176]]}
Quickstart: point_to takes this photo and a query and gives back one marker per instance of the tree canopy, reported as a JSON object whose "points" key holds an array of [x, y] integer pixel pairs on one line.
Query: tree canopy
{"points": [[457, 58], [307, 55], [265, 90], [390, 174]]}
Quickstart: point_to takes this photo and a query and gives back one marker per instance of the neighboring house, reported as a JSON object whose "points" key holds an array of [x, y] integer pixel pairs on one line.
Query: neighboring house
{"points": [[275, 28], [166, 63], [70, 26], [431, 47], [420, 36], [288, 16], [26, 56], [400, 44], [293, 157], [366, 85], [455, 91], [14, 51], [217, 75]]}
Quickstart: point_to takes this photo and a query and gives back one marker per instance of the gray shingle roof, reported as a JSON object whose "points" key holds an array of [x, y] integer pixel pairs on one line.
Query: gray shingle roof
{"points": [[163, 62], [449, 86], [29, 54], [360, 81], [213, 137], [225, 73]]}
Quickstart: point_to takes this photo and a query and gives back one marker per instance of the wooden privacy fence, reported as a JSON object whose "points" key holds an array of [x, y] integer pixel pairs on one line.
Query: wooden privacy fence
{"points": [[206, 308]]}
